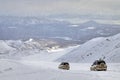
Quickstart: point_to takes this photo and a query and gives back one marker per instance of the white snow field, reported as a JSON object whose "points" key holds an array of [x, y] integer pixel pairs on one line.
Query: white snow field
{"points": [[44, 64], [39, 70]]}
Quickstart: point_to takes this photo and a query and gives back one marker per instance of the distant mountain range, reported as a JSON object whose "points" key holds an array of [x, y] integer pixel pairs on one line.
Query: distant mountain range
{"points": [[12, 28]]}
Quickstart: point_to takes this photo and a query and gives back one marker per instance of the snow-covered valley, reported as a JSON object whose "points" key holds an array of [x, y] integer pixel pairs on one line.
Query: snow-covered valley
{"points": [[43, 65]]}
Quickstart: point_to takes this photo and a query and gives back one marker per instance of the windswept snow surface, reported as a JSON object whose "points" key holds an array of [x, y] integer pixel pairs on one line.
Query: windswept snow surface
{"points": [[27, 70], [106, 48]]}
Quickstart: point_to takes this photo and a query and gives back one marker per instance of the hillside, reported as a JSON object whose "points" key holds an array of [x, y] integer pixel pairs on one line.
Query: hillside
{"points": [[107, 48]]}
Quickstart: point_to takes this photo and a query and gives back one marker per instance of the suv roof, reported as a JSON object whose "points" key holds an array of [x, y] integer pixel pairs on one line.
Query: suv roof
{"points": [[97, 62], [64, 63]]}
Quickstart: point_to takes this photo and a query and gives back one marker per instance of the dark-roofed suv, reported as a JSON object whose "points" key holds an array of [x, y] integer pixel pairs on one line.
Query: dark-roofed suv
{"points": [[98, 65], [64, 65]]}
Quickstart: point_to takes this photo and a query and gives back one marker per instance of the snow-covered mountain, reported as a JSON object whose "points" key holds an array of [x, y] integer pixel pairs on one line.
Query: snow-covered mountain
{"points": [[20, 48], [107, 48]]}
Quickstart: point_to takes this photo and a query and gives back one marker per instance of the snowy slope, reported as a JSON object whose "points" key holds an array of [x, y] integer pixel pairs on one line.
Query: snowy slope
{"points": [[4, 48], [107, 48]]}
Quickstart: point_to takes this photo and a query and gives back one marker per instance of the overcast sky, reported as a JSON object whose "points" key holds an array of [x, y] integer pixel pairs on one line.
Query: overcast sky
{"points": [[54, 7]]}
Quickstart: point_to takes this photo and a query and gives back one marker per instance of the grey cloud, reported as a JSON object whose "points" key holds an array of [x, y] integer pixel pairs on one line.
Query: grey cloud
{"points": [[38, 7]]}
